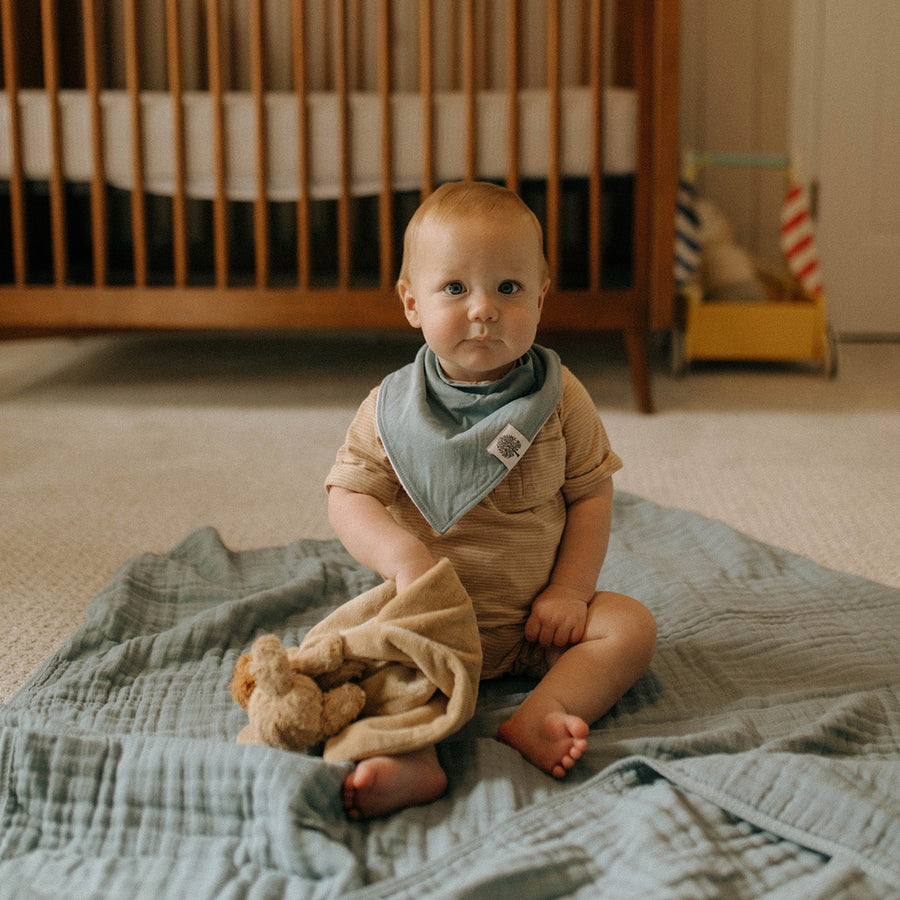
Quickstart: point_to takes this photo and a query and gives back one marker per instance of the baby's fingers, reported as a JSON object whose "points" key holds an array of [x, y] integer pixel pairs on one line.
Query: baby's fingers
{"points": [[555, 634], [576, 633], [533, 628], [540, 631], [566, 635]]}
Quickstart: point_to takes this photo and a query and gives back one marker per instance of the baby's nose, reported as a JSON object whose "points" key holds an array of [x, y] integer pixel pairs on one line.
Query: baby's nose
{"points": [[482, 306]]}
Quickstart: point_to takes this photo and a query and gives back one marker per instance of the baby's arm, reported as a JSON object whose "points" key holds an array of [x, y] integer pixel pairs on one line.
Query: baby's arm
{"points": [[373, 538], [559, 612]]}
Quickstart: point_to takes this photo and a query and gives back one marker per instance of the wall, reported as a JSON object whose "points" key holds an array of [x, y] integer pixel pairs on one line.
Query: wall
{"points": [[735, 88]]}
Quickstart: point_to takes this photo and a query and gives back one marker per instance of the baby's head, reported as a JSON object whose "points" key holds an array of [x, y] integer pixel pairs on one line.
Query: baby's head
{"points": [[474, 278], [463, 203]]}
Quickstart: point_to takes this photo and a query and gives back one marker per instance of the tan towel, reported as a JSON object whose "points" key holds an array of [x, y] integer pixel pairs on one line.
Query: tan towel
{"points": [[423, 663]]}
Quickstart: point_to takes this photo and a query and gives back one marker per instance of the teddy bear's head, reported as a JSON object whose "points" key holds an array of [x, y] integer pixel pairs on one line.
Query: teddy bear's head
{"points": [[727, 270]]}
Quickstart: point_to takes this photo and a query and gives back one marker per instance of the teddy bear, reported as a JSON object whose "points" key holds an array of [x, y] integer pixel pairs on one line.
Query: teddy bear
{"points": [[728, 272], [296, 698]]}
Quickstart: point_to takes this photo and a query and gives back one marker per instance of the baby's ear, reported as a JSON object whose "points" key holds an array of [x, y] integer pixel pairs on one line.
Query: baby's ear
{"points": [[543, 296], [411, 311]]}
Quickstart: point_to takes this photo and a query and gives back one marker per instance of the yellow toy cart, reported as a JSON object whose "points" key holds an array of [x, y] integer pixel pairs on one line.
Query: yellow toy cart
{"points": [[789, 325]]}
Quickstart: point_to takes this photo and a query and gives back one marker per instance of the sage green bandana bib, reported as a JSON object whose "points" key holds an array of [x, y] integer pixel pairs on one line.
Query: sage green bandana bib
{"points": [[451, 444]]}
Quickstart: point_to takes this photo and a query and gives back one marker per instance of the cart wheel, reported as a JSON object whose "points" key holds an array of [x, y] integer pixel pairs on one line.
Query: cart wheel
{"points": [[830, 365], [678, 364]]}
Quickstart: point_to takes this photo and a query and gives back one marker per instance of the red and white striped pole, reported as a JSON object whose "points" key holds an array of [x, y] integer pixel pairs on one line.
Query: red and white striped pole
{"points": [[798, 241]]}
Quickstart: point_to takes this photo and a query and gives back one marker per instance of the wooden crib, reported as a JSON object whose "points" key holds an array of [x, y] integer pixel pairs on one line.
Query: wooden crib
{"points": [[251, 164]]}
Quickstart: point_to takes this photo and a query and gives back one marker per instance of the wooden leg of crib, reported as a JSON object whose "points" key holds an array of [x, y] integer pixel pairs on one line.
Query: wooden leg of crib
{"points": [[636, 347]]}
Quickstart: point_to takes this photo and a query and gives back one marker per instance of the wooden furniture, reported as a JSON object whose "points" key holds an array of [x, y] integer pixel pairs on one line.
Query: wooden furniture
{"points": [[121, 200]]}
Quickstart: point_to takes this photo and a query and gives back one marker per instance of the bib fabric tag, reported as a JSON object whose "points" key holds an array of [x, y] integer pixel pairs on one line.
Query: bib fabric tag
{"points": [[509, 446]]}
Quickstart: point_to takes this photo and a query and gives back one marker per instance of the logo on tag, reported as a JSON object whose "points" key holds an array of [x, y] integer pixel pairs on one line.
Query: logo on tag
{"points": [[509, 446]]}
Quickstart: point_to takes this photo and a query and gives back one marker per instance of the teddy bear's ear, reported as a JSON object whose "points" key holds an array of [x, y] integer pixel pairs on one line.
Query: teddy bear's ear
{"points": [[242, 681]]}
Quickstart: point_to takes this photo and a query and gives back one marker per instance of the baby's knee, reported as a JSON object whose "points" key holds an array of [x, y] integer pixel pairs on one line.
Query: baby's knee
{"points": [[645, 632], [630, 624]]}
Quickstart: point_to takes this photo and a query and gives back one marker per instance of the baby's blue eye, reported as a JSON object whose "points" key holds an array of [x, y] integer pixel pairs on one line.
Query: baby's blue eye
{"points": [[455, 288], [508, 287]]}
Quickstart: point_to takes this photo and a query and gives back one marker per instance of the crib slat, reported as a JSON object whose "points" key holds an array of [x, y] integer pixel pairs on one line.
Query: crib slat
{"points": [[16, 179], [220, 202], [343, 203], [138, 200], [57, 188], [355, 46], [176, 92], [258, 87], [484, 27], [98, 179], [585, 47], [327, 64], [300, 89], [512, 95], [426, 90], [642, 35], [595, 192], [636, 336], [469, 88], [551, 226], [385, 202]]}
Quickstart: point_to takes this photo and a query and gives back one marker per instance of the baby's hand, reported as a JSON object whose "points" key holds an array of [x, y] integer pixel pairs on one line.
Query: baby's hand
{"points": [[558, 616]]}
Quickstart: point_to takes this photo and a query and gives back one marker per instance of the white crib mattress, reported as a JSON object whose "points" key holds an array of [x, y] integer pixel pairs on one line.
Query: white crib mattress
{"points": [[619, 139]]}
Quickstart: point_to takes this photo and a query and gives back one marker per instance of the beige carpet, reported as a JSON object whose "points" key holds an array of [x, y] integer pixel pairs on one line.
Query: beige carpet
{"points": [[113, 446]]}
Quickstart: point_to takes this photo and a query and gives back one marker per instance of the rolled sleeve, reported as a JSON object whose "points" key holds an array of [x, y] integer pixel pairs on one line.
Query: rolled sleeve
{"points": [[361, 464], [589, 458]]}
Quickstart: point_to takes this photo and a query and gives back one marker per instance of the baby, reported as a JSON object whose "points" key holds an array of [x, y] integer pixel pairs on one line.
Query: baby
{"points": [[488, 451]]}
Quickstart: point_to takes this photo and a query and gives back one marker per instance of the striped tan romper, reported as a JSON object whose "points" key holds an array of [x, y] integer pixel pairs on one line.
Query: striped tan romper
{"points": [[505, 547]]}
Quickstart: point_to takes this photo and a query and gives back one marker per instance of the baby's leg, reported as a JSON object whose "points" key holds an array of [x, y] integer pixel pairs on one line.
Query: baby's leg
{"points": [[383, 784], [551, 726]]}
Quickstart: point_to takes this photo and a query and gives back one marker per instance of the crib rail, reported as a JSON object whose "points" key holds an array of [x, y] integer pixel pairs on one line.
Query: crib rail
{"points": [[76, 255]]}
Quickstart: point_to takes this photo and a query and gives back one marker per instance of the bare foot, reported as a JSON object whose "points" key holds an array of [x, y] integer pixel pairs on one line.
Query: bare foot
{"points": [[383, 784], [554, 743]]}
